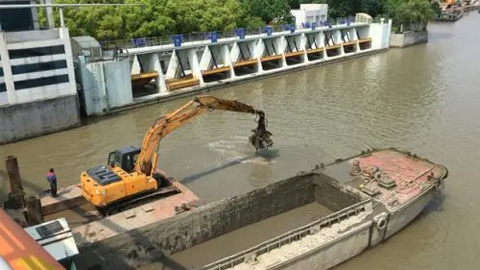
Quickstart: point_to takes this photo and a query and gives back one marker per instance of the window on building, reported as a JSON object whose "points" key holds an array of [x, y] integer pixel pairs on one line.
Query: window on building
{"points": [[16, 19], [310, 19]]}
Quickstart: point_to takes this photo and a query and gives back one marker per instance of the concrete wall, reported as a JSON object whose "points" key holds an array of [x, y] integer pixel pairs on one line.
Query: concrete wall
{"points": [[92, 95], [104, 85], [118, 86], [408, 38], [332, 195], [36, 118], [380, 33], [199, 225]]}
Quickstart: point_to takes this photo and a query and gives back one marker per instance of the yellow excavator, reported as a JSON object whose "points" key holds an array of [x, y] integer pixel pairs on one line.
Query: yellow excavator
{"points": [[131, 174]]}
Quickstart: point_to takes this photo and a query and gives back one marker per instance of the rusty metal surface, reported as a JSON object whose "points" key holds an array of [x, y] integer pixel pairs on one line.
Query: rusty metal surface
{"points": [[392, 177]]}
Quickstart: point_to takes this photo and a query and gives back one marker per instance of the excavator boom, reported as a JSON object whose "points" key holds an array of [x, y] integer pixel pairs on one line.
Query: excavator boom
{"points": [[199, 105]]}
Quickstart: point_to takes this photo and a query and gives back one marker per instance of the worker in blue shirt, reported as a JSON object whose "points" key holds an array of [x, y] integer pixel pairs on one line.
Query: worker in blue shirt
{"points": [[52, 180]]}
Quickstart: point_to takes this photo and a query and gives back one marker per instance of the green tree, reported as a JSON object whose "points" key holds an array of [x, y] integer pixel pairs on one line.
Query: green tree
{"points": [[407, 13], [204, 15], [437, 9], [163, 17], [295, 4], [101, 22], [268, 10], [373, 8], [151, 19]]}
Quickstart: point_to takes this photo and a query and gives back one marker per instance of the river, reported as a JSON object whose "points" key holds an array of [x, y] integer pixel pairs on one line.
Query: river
{"points": [[425, 98]]}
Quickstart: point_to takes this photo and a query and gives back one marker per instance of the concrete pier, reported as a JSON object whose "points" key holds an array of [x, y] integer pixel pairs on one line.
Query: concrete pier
{"points": [[409, 38], [68, 197]]}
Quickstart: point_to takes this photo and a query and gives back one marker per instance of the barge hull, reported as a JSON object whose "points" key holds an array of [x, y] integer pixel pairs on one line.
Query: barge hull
{"points": [[402, 217], [368, 198]]}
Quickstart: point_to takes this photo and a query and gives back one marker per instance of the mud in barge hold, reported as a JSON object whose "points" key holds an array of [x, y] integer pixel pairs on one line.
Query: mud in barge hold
{"points": [[314, 220]]}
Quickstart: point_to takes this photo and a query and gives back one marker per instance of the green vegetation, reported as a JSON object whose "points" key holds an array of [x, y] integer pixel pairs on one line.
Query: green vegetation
{"points": [[268, 10], [411, 14], [164, 17]]}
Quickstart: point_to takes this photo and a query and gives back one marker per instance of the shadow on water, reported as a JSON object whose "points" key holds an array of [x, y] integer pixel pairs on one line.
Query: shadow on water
{"points": [[436, 205], [5, 187], [197, 176], [266, 154], [436, 36]]}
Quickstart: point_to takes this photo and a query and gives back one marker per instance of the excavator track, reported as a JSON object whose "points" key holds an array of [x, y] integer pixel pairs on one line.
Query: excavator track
{"points": [[133, 202]]}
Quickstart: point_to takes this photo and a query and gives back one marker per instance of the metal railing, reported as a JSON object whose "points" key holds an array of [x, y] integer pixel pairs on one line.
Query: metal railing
{"points": [[192, 37], [287, 238]]}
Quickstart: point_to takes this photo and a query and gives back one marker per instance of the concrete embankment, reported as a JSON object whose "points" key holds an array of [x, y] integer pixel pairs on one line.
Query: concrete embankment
{"points": [[409, 38], [26, 120]]}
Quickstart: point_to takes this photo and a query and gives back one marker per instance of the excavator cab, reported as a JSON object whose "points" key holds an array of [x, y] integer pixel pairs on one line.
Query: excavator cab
{"points": [[125, 157]]}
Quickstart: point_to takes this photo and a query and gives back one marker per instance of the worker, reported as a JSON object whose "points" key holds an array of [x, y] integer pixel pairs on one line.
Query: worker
{"points": [[52, 180]]}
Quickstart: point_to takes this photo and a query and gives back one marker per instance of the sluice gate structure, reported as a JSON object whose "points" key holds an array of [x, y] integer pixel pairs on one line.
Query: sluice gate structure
{"points": [[151, 71]]}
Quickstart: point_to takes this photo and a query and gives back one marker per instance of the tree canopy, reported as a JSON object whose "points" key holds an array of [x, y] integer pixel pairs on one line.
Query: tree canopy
{"points": [[268, 10], [158, 17], [163, 17], [408, 12]]}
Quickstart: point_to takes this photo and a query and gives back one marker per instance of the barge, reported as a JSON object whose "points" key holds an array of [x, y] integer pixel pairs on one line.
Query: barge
{"points": [[353, 204]]}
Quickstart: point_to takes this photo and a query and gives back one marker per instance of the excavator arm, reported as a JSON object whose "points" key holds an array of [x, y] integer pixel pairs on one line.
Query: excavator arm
{"points": [[199, 105]]}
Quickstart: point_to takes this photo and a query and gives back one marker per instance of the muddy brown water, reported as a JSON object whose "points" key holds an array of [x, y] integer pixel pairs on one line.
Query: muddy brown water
{"points": [[424, 98]]}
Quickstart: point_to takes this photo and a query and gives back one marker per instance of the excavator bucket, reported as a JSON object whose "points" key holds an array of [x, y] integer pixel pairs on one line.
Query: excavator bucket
{"points": [[260, 138]]}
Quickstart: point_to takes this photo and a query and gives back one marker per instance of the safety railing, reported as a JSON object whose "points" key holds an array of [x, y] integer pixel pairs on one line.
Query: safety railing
{"points": [[125, 44], [289, 237]]}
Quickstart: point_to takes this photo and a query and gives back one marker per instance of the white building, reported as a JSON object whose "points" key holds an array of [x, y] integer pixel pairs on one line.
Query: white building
{"points": [[310, 13], [38, 93]]}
